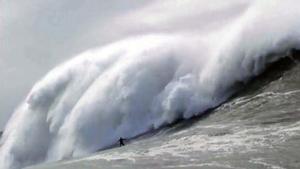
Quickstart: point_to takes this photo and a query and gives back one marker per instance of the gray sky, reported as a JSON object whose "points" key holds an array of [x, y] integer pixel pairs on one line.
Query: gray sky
{"points": [[36, 35]]}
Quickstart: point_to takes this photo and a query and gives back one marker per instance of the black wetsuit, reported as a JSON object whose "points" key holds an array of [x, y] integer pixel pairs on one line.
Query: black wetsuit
{"points": [[121, 140]]}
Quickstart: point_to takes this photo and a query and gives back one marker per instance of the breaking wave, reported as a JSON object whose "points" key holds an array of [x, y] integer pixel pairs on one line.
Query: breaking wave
{"points": [[144, 82]]}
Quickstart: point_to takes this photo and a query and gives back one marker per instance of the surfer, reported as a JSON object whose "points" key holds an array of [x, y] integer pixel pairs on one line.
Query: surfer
{"points": [[121, 140]]}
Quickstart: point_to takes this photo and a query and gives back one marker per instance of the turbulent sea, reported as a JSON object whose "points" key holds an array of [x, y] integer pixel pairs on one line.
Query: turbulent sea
{"points": [[257, 128], [217, 87]]}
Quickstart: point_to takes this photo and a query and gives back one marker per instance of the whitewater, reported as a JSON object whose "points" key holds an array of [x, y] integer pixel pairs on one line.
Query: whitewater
{"points": [[147, 81]]}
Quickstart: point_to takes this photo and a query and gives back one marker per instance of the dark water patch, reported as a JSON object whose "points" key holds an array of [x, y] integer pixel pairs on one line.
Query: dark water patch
{"points": [[273, 72], [219, 132]]}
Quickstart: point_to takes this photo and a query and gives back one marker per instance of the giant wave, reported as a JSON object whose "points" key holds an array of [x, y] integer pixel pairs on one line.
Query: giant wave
{"points": [[144, 82]]}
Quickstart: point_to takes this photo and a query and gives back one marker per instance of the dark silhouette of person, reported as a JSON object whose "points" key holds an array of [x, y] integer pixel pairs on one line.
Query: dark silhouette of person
{"points": [[121, 140]]}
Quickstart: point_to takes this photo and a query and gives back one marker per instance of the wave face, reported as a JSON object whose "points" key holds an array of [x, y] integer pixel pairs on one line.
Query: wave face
{"points": [[144, 82]]}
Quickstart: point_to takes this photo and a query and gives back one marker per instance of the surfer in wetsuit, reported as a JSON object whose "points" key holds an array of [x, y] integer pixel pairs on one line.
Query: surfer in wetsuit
{"points": [[121, 140]]}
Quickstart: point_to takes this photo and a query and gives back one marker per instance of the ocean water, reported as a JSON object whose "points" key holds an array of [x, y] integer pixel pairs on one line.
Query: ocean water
{"points": [[209, 77], [257, 128]]}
